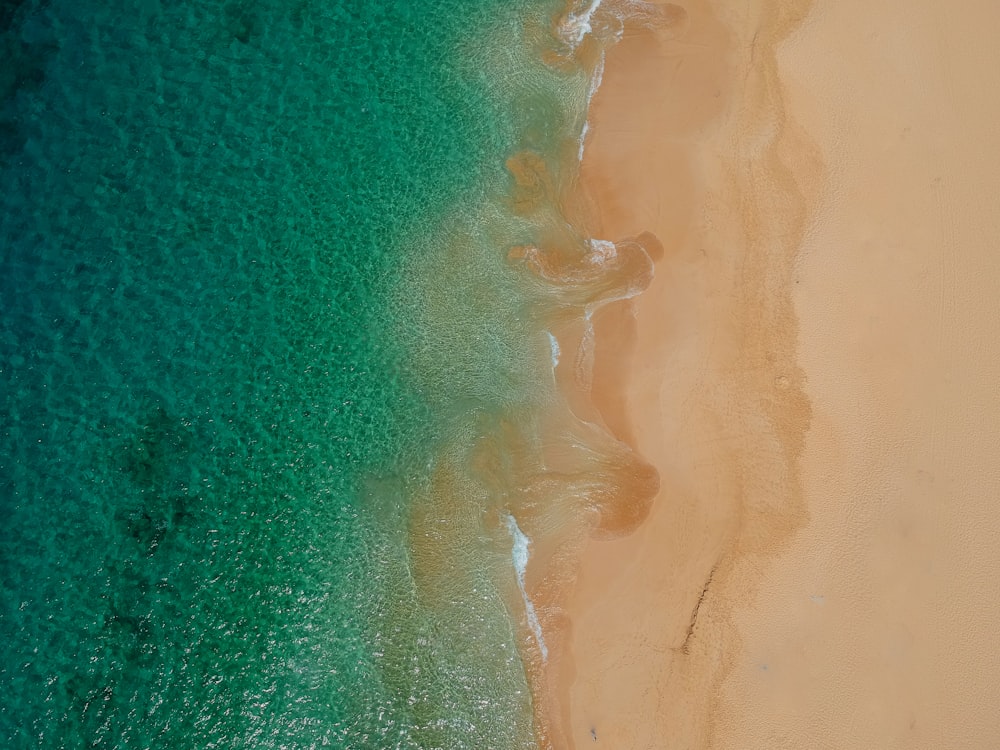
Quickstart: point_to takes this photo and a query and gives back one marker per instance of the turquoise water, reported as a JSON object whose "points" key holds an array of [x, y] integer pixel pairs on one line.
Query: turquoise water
{"points": [[224, 378]]}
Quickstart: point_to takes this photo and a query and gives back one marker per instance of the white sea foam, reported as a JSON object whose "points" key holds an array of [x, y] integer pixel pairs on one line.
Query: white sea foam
{"points": [[519, 554], [595, 79], [583, 140], [577, 25], [585, 355], [601, 251], [554, 349], [595, 83]]}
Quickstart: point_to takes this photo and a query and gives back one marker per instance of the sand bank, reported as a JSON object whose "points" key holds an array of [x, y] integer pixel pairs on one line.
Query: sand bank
{"points": [[813, 373]]}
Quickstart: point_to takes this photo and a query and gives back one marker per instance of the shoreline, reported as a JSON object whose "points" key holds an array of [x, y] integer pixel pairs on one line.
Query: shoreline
{"points": [[716, 133], [710, 393]]}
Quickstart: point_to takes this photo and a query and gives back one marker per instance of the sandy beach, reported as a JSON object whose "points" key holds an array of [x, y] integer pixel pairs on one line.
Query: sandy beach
{"points": [[813, 373]]}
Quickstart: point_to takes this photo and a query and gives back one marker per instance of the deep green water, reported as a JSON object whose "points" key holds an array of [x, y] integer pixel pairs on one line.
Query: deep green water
{"points": [[222, 382]]}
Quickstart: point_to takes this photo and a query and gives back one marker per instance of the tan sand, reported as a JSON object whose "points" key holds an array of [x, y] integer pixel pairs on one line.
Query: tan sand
{"points": [[815, 374]]}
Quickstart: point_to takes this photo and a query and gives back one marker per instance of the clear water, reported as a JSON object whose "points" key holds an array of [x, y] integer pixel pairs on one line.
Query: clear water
{"points": [[253, 296]]}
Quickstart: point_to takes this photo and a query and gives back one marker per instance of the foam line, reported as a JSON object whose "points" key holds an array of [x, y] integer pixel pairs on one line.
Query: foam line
{"points": [[595, 83], [519, 554], [583, 140], [577, 25], [602, 251], [595, 79], [554, 348]]}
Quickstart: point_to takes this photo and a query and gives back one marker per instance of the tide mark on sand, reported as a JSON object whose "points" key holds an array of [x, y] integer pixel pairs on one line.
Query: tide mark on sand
{"points": [[697, 609]]}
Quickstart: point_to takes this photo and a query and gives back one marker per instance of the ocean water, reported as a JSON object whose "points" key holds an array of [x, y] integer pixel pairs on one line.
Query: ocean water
{"points": [[255, 305]]}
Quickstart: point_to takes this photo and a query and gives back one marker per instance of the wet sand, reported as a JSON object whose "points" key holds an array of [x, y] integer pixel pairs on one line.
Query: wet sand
{"points": [[813, 373]]}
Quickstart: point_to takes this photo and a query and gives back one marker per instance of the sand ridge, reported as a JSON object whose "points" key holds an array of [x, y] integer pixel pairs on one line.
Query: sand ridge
{"points": [[876, 627]]}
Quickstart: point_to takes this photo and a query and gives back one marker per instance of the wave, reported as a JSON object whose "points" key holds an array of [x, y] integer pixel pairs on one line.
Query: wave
{"points": [[532, 470], [554, 349], [596, 77], [603, 272], [520, 553], [575, 25]]}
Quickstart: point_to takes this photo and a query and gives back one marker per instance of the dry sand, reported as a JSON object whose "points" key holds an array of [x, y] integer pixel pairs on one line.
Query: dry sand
{"points": [[815, 374]]}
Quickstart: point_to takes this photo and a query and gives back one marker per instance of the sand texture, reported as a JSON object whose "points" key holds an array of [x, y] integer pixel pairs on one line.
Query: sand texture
{"points": [[814, 372]]}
